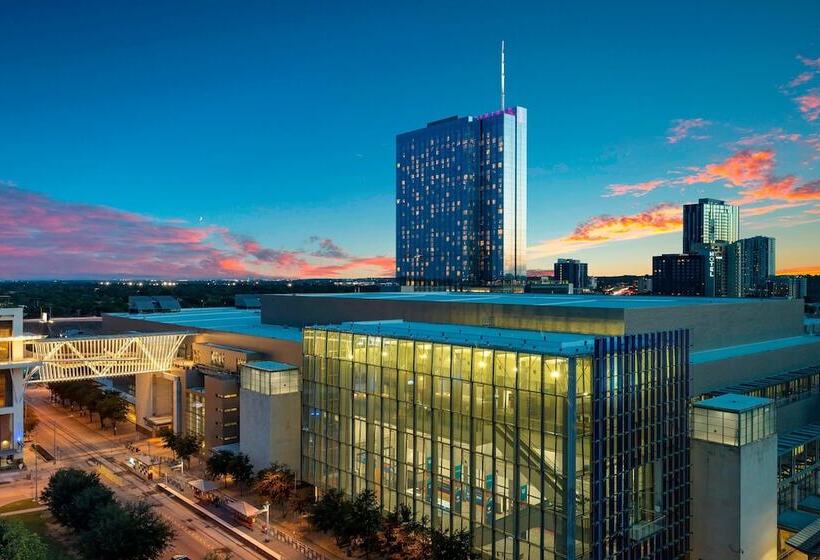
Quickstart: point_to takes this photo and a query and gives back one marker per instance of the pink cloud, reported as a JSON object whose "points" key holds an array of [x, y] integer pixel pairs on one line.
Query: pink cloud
{"points": [[739, 169], [637, 189], [809, 105], [766, 138], [810, 62], [801, 78], [682, 128], [45, 237]]}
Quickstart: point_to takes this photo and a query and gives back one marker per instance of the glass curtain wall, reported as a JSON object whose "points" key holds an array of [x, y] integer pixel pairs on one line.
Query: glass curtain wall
{"points": [[468, 437]]}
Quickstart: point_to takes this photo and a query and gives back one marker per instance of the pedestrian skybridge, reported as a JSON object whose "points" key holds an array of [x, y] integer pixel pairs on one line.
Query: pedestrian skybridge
{"points": [[91, 357]]}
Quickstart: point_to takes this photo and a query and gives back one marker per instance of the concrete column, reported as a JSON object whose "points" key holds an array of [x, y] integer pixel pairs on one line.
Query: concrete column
{"points": [[18, 392], [143, 397]]}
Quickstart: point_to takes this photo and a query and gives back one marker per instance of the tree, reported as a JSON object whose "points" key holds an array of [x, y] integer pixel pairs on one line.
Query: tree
{"points": [[219, 464], [81, 509], [91, 398], [30, 420], [327, 510], [187, 446], [241, 468], [183, 446], [62, 488], [365, 522], [276, 484], [18, 543], [132, 531], [112, 407], [451, 546]]}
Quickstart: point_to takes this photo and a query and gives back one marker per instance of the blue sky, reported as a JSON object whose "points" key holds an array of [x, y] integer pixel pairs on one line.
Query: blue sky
{"points": [[276, 121]]}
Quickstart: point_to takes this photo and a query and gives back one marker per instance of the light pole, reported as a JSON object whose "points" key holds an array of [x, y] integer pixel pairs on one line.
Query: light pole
{"points": [[266, 509], [36, 487]]}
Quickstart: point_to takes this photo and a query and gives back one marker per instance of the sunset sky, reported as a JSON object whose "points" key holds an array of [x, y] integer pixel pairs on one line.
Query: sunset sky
{"points": [[256, 138]]}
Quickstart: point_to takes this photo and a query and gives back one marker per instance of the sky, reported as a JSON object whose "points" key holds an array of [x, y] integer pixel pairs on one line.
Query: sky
{"points": [[201, 139]]}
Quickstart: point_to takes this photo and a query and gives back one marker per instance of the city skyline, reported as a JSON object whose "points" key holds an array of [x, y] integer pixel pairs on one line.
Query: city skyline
{"points": [[125, 157]]}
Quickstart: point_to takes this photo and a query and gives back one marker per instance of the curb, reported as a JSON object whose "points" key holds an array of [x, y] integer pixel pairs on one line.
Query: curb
{"points": [[255, 544]]}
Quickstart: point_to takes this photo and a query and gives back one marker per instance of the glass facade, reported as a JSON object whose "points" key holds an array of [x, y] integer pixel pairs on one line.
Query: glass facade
{"points": [[461, 197], [489, 439], [195, 412], [640, 447], [732, 427], [709, 221], [269, 382]]}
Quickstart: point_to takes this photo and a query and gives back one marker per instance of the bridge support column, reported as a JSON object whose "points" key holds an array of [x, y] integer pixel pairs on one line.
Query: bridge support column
{"points": [[144, 399]]}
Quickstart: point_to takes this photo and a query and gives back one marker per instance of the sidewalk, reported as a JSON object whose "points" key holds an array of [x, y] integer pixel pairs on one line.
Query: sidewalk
{"points": [[300, 543]]}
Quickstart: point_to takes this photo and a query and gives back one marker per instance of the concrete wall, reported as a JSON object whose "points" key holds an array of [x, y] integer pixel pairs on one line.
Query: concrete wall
{"points": [[712, 325], [716, 325], [299, 311], [734, 501], [270, 429], [216, 418], [717, 374]]}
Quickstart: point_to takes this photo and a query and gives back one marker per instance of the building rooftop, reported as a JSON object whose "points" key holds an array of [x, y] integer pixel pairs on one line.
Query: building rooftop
{"points": [[561, 344], [541, 300], [726, 352], [796, 438], [227, 347], [223, 319], [770, 381], [731, 402], [267, 365]]}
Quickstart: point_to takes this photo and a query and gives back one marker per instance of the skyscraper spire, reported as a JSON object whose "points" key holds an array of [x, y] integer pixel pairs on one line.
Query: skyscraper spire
{"points": [[503, 103]]}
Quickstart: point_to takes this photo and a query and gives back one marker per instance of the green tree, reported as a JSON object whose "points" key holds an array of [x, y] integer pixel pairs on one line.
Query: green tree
{"points": [[218, 465], [276, 484], [326, 511], [91, 398], [169, 439], [451, 546], [241, 468], [365, 522], [81, 509], [187, 446], [132, 531], [112, 407], [62, 488], [18, 543]]}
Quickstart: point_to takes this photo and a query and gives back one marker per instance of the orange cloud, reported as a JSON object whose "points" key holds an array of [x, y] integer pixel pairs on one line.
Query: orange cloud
{"points": [[637, 189], [809, 105], [663, 218], [739, 169]]}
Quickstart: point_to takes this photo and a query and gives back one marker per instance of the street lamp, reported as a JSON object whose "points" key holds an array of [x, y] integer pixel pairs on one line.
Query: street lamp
{"points": [[266, 509]]}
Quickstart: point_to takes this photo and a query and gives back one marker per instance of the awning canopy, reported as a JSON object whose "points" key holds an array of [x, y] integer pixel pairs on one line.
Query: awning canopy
{"points": [[202, 485], [807, 539], [244, 508]]}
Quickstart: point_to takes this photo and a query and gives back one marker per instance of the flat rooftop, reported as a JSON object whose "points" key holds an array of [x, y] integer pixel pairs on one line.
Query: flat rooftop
{"points": [[731, 402], [268, 365], [540, 300], [550, 343], [222, 319], [726, 352]]}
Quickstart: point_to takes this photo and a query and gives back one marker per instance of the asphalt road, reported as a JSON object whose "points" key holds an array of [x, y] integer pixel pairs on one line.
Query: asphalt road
{"points": [[78, 440]]}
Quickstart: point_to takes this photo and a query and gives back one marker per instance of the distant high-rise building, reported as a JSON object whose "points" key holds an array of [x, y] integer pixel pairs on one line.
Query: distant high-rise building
{"points": [[750, 266], [461, 201], [715, 282], [678, 275], [709, 221], [572, 271]]}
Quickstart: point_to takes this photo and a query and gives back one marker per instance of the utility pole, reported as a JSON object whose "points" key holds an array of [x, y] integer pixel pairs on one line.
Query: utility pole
{"points": [[36, 487], [266, 509]]}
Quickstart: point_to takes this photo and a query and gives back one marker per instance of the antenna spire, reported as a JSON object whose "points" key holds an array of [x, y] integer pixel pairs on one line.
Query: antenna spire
{"points": [[503, 103]]}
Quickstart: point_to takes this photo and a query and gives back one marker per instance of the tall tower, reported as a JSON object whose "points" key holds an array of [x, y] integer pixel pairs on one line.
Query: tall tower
{"points": [[461, 201], [709, 221]]}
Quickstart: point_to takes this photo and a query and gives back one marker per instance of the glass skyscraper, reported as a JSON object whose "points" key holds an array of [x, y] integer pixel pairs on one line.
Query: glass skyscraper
{"points": [[709, 221], [461, 201]]}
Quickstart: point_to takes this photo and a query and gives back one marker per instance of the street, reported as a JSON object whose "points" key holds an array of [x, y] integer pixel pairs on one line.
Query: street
{"points": [[75, 441]]}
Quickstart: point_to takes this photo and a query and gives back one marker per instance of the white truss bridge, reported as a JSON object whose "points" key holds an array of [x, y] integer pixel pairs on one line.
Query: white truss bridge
{"points": [[91, 357]]}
